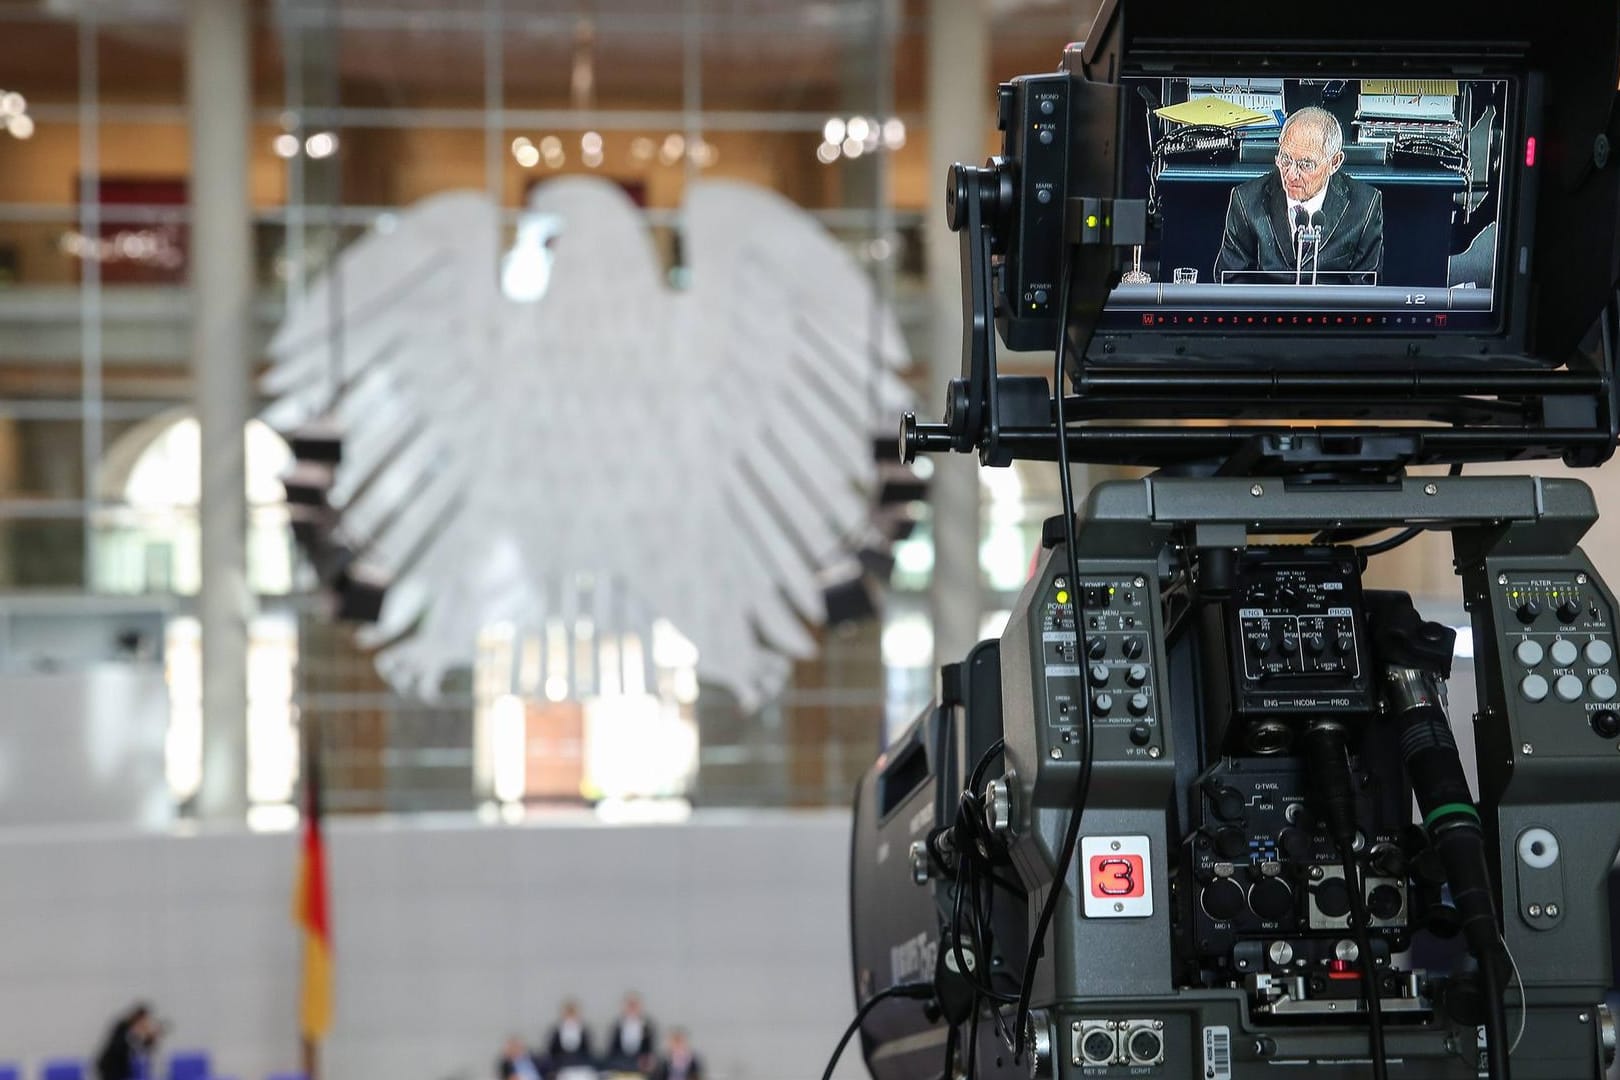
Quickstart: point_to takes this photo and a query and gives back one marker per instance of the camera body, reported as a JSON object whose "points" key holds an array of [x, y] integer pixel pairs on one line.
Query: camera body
{"points": [[1178, 836]]}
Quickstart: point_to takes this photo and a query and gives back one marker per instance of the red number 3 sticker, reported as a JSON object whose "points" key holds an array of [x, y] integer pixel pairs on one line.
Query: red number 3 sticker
{"points": [[1117, 876]]}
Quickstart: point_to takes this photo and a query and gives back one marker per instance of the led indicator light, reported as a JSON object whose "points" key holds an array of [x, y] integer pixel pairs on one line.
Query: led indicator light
{"points": [[1530, 152]]}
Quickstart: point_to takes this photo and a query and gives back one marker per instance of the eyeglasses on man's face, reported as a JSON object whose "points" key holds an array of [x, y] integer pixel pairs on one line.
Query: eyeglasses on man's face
{"points": [[1304, 166]]}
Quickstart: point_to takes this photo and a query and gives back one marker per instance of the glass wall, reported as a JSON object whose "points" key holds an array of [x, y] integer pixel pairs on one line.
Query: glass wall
{"points": [[361, 108]]}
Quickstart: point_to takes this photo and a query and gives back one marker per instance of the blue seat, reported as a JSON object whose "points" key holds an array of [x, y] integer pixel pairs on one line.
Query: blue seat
{"points": [[62, 1070], [188, 1065], [10, 1072], [287, 1076]]}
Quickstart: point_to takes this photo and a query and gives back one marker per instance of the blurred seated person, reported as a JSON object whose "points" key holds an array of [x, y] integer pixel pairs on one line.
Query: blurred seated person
{"points": [[679, 1062], [517, 1063], [570, 1046], [632, 1045], [127, 1053]]}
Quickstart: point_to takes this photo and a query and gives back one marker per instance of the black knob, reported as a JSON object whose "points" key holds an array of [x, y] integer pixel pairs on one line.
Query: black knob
{"points": [[1295, 844], [1272, 899], [1098, 675], [1260, 643], [1315, 643], [1102, 704], [1606, 724], [1227, 804], [1332, 898], [1097, 648], [1136, 675], [1132, 647], [1569, 610], [1223, 900], [1138, 704], [1528, 612], [1141, 734], [1384, 902], [1344, 644], [1289, 645], [1231, 842]]}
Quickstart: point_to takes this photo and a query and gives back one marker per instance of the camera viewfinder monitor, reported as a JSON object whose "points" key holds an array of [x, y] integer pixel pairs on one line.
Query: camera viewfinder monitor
{"points": [[1335, 211]]}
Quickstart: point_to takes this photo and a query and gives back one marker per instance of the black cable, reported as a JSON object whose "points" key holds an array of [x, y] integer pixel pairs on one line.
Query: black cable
{"points": [[1367, 551], [918, 990], [968, 974], [1429, 752], [1083, 784], [984, 763], [1497, 1047], [1369, 968], [1327, 763], [987, 936], [973, 1041]]}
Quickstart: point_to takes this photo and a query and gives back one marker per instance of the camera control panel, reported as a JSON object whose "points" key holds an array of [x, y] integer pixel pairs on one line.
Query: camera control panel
{"points": [[1106, 663], [1557, 647]]}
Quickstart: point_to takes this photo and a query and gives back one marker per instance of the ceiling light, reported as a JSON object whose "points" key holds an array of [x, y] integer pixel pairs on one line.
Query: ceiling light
{"points": [[894, 133], [322, 144], [591, 143], [827, 153], [285, 146], [833, 131], [527, 156], [21, 127], [858, 128]]}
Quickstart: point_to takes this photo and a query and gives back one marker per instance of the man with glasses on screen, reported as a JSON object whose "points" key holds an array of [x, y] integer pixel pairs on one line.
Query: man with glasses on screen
{"points": [[1306, 216]]}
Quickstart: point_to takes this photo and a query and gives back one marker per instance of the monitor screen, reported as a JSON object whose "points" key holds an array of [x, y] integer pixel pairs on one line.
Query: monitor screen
{"points": [[1282, 205]]}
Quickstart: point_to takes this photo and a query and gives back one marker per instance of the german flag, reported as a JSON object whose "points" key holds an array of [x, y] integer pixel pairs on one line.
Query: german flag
{"points": [[310, 912]]}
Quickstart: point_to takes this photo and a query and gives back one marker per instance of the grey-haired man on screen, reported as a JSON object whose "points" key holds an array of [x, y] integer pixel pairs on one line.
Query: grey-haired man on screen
{"points": [[1306, 190]]}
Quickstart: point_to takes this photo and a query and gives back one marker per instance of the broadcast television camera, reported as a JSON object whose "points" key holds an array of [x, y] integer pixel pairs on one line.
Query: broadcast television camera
{"points": [[1200, 811]]}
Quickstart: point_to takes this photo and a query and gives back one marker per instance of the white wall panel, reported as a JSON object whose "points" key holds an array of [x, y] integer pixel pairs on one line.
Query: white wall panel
{"points": [[449, 935]]}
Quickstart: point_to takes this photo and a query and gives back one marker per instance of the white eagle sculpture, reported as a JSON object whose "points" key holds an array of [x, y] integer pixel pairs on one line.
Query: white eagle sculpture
{"points": [[554, 439]]}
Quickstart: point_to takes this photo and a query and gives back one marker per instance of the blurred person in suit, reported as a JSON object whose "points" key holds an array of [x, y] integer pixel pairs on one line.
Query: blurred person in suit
{"points": [[633, 1042], [570, 1045], [516, 1063], [679, 1062], [130, 1044]]}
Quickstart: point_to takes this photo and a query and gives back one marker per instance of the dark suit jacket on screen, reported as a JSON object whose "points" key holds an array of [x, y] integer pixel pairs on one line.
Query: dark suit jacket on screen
{"points": [[1259, 236]]}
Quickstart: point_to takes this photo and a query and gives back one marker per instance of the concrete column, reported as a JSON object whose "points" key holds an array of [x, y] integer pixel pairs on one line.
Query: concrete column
{"points": [[221, 304], [961, 103]]}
